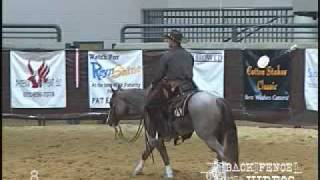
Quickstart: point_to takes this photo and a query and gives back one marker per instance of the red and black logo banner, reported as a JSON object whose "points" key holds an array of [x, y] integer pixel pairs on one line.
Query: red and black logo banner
{"points": [[266, 78]]}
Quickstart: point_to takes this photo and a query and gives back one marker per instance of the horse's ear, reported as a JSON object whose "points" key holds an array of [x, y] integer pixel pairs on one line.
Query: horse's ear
{"points": [[118, 87], [113, 90]]}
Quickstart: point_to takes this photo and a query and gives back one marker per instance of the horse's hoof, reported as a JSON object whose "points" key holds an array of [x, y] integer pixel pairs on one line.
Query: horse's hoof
{"points": [[168, 176], [138, 169], [168, 173], [137, 173]]}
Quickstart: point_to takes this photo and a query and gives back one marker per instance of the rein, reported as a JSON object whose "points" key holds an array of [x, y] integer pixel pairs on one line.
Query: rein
{"points": [[118, 133]]}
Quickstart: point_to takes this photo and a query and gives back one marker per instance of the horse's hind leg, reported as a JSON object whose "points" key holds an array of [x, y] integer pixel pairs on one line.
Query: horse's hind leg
{"points": [[215, 146], [218, 166]]}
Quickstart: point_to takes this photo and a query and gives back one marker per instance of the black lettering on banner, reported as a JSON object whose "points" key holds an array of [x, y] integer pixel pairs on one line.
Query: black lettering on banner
{"points": [[104, 56], [97, 100], [107, 100], [22, 83], [27, 94], [38, 94], [208, 57], [109, 91], [131, 85]]}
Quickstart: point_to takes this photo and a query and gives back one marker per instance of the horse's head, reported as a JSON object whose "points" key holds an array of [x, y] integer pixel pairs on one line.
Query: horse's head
{"points": [[115, 102]]}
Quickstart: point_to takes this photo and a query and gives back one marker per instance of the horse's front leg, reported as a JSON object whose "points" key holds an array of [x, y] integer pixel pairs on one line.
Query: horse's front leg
{"points": [[168, 173], [139, 167]]}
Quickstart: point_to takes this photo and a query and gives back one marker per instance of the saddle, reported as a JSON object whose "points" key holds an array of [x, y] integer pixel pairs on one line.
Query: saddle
{"points": [[180, 93], [177, 105]]}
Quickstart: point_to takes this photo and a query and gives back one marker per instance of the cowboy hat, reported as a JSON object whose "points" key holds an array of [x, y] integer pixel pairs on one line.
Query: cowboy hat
{"points": [[175, 36]]}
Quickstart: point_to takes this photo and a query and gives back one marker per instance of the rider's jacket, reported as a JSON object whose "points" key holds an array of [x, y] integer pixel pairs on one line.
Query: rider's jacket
{"points": [[177, 64]]}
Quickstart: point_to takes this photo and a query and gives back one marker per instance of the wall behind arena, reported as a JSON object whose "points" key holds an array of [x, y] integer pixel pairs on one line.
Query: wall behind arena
{"points": [[78, 104], [227, 3], [98, 20], [95, 20]]}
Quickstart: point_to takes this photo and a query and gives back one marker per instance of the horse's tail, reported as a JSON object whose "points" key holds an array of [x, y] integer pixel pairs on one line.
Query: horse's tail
{"points": [[231, 149]]}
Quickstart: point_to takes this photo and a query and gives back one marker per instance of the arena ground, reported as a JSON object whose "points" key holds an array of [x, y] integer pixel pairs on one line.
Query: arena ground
{"points": [[90, 152]]}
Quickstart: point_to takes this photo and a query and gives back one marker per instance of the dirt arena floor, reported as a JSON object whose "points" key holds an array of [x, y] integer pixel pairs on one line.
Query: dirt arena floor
{"points": [[90, 152]]}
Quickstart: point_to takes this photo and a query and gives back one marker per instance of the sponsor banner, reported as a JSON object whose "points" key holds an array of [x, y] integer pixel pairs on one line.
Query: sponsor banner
{"points": [[266, 82], [311, 79], [208, 70], [38, 79], [112, 68]]}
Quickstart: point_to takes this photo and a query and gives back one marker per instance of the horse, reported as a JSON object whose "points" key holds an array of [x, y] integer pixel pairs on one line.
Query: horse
{"points": [[209, 116]]}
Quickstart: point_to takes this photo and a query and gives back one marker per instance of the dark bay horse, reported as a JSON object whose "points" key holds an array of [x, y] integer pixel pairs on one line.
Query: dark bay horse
{"points": [[209, 116]]}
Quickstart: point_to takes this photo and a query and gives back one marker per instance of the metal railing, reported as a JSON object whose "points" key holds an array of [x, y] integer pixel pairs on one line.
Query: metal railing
{"points": [[243, 15], [222, 32], [190, 16], [31, 31]]}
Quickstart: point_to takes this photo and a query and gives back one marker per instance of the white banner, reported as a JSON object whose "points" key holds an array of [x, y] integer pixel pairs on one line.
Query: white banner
{"points": [[311, 79], [38, 79], [208, 70], [106, 68]]}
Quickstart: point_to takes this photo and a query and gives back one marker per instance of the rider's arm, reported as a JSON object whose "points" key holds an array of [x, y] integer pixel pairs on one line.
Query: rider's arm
{"points": [[161, 71], [192, 60]]}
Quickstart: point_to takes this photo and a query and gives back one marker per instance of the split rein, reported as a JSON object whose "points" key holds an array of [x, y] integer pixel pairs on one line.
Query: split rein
{"points": [[119, 134]]}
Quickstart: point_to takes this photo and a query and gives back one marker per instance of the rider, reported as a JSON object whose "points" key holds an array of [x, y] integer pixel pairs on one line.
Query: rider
{"points": [[176, 70]]}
